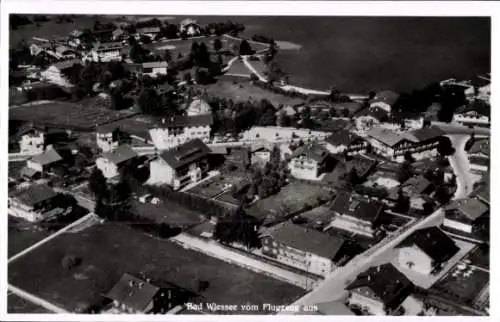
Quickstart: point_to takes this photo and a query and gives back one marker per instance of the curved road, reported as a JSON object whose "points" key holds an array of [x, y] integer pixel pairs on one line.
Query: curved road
{"points": [[460, 164]]}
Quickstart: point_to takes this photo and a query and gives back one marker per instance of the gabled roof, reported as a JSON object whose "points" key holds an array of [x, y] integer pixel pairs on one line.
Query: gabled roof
{"points": [[155, 64], [387, 97], [308, 240], [385, 136], [433, 242], [28, 172], [386, 283], [480, 146], [312, 151], [425, 134], [185, 154], [186, 120], [416, 185], [120, 154], [345, 204], [35, 194], [471, 208], [65, 64], [342, 137], [133, 292], [48, 157]]}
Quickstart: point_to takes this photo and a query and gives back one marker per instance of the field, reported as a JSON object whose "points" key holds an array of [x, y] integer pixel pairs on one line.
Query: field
{"points": [[22, 234], [241, 90], [169, 213], [16, 304], [109, 250], [292, 198], [464, 289], [215, 186], [480, 257], [238, 68], [136, 125]]}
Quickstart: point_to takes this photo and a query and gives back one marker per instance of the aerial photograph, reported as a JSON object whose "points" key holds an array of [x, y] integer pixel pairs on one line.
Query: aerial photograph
{"points": [[249, 165]]}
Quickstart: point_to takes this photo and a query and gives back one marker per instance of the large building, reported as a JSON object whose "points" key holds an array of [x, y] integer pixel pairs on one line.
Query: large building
{"points": [[106, 52], [181, 165], [177, 130], [303, 248], [35, 203], [344, 141], [309, 162], [379, 291], [112, 161], [426, 251], [155, 69], [466, 216], [32, 141]]}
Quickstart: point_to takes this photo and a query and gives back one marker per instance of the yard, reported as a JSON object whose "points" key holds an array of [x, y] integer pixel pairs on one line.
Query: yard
{"points": [[110, 250], [292, 198], [480, 256], [217, 185], [169, 213], [16, 304], [22, 234]]}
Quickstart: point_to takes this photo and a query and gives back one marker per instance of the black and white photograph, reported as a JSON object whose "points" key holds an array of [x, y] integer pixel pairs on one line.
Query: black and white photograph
{"points": [[208, 164]]}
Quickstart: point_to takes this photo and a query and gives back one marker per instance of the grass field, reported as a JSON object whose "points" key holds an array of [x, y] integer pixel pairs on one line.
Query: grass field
{"points": [[241, 90], [22, 234], [215, 186], [67, 115], [16, 304], [169, 213], [109, 250]]}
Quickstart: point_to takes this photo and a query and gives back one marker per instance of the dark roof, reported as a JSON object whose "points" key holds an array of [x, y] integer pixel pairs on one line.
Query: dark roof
{"points": [[309, 240], [386, 283], [425, 134], [385, 136], [155, 64], [471, 208], [185, 154], [185, 120], [416, 185], [106, 128], [483, 193], [120, 154], [133, 292], [480, 146], [361, 165], [343, 137], [477, 160], [28, 172], [312, 151], [48, 157], [433, 242], [346, 204], [109, 45], [35, 194], [387, 97]]}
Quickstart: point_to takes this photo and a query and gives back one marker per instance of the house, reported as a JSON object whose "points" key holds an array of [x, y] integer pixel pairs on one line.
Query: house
{"points": [[379, 290], [426, 251], [32, 141], [111, 161], [479, 156], [370, 117], [260, 154], [180, 129], [344, 141], [198, 107], [355, 214], [190, 27], [105, 138], [45, 162], [466, 215], [239, 157], [34, 203], [483, 193], [416, 186], [55, 73], [385, 100], [302, 248], [133, 295], [39, 47], [150, 32], [181, 165], [309, 162], [155, 69], [106, 52]]}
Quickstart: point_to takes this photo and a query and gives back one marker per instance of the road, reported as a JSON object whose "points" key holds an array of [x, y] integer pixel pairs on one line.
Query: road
{"points": [[460, 164], [457, 129], [333, 287]]}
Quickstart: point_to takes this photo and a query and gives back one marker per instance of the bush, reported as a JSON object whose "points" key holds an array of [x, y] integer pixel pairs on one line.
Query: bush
{"points": [[70, 261]]}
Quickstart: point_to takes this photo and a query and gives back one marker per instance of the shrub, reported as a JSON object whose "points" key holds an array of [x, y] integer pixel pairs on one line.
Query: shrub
{"points": [[70, 261]]}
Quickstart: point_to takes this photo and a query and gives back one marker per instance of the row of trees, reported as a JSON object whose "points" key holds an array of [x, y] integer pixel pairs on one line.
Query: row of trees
{"points": [[269, 180]]}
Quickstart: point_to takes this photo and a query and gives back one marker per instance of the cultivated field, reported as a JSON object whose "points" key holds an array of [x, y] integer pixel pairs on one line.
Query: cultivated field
{"points": [[109, 250]]}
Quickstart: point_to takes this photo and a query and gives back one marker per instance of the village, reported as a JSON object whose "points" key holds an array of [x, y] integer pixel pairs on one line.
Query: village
{"points": [[155, 165]]}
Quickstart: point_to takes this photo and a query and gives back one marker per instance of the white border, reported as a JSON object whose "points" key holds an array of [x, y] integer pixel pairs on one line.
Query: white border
{"points": [[234, 8]]}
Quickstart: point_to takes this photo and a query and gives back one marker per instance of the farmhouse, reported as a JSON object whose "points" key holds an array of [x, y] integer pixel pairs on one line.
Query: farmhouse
{"points": [[45, 162], [467, 216], [155, 69], [479, 156], [190, 27], [345, 141], [379, 291], [111, 161], [309, 162], [106, 139], [305, 249], [426, 251], [55, 73], [180, 129], [181, 165], [150, 32], [106, 52], [35, 203], [355, 214], [198, 107], [385, 100], [32, 141]]}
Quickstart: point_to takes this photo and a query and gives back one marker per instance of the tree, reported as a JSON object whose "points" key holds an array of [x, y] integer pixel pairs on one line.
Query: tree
{"points": [[217, 44], [69, 262], [97, 183], [445, 147], [402, 203], [245, 49], [238, 227], [442, 195], [167, 56], [404, 172]]}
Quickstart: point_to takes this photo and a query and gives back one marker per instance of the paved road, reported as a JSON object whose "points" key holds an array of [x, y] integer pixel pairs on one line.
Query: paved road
{"points": [[460, 164], [333, 287]]}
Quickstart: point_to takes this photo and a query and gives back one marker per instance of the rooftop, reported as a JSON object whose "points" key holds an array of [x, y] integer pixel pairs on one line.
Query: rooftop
{"points": [[34, 194], [147, 30], [65, 64], [312, 151], [133, 292], [185, 120], [480, 146], [471, 208], [346, 204], [120, 154], [416, 185], [343, 137], [185, 154], [425, 134], [385, 136], [48, 157], [387, 97]]}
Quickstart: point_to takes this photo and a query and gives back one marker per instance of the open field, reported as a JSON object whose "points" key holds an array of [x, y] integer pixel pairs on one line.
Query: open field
{"points": [[16, 304], [291, 198], [67, 115], [109, 250], [168, 212], [23, 234], [241, 90]]}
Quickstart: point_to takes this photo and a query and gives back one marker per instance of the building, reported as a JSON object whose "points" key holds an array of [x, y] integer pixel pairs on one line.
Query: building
{"points": [[106, 52], [345, 141], [379, 291], [416, 186], [385, 100], [133, 295], [55, 73], [468, 216], [198, 107], [45, 162], [181, 165], [155, 69], [426, 251], [179, 129], [119, 35], [61, 52], [369, 118], [309, 162], [32, 141], [39, 47], [34, 203], [151, 32], [479, 156], [111, 161], [420, 143], [306, 249], [260, 154], [355, 214], [190, 27], [106, 139]]}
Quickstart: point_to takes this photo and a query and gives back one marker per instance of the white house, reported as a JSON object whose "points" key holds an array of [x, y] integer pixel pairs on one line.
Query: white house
{"points": [[155, 69], [105, 139], [32, 141], [34, 203], [385, 100], [471, 118], [150, 32], [55, 73], [111, 161], [465, 215], [198, 107], [426, 251], [345, 141], [180, 129], [181, 165], [309, 162], [106, 52], [190, 27], [479, 156]]}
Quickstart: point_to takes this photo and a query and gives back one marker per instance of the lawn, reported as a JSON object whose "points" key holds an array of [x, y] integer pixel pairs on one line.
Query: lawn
{"points": [[169, 213], [16, 304], [291, 198], [464, 289], [480, 256], [215, 186], [109, 250], [15, 168], [136, 125], [22, 234], [241, 90], [67, 115], [238, 68]]}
